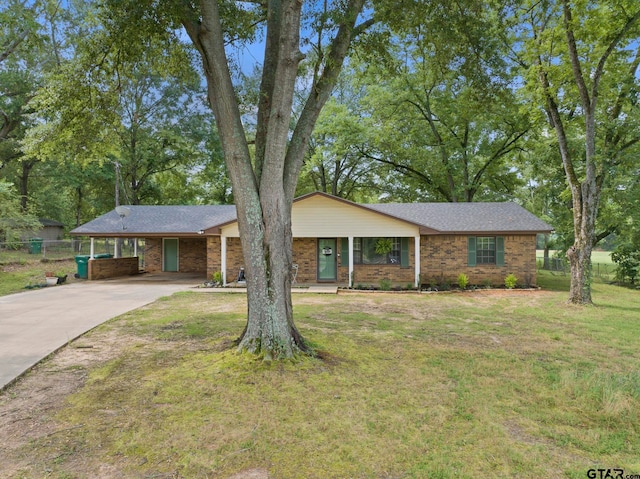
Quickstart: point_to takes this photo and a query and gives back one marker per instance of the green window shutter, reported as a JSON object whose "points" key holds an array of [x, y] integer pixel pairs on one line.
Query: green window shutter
{"points": [[404, 252], [344, 252], [471, 250], [499, 251]]}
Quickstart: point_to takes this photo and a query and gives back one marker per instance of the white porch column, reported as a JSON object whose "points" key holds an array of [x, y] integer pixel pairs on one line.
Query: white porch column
{"points": [[92, 249], [223, 258], [351, 261], [115, 247], [135, 247], [416, 253]]}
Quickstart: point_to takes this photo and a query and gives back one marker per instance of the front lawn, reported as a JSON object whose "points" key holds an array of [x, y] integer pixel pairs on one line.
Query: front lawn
{"points": [[453, 385]]}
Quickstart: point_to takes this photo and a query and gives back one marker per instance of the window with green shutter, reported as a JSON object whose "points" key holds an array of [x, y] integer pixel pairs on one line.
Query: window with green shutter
{"points": [[344, 252], [499, 251], [471, 251], [404, 252], [486, 250]]}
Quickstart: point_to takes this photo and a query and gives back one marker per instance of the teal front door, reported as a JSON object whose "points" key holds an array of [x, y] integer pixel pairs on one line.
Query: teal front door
{"points": [[327, 264], [170, 254]]}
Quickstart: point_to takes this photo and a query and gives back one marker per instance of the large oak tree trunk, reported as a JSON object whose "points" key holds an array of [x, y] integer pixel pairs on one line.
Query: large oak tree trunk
{"points": [[267, 248], [264, 185]]}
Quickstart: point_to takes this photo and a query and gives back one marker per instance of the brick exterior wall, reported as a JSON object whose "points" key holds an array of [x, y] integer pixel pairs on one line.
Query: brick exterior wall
{"points": [[104, 268], [442, 257], [445, 257], [153, 255], [214, 262], [192, 255], [305, 255], [235, 261]]}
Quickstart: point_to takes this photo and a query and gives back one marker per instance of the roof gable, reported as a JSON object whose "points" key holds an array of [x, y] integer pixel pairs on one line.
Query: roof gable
{"points": [[318, 215]]}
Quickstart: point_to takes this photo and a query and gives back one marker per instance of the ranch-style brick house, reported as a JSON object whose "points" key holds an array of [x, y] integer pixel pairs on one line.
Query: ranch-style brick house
{"points": [[337, 241]]}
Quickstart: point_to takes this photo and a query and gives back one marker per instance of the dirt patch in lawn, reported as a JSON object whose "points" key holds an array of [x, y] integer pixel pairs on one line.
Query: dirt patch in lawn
{"points": [[28, 407]]}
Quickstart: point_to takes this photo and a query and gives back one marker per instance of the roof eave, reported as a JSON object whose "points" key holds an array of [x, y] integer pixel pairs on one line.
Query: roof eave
{"points": [[493, 232], [131, 234]]}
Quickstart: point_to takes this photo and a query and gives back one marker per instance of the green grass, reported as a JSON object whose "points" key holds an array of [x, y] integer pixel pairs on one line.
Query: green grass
{"points": [[464, 385], [603, 257], [14, 277], [9, 256]]}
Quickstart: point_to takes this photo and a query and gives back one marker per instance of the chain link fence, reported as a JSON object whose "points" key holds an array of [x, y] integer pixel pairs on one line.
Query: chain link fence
{"points": [[37, 249], [604, 271]]}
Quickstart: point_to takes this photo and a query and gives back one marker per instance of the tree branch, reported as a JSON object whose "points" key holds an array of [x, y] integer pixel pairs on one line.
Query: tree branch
{"points": [[574, 57], [405, 169], [319, 95], [9, 49], [207, 36]]}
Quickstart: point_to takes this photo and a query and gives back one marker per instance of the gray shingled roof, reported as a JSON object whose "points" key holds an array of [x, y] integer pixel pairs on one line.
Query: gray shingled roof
{"points": [[442, 217], [465, 217], [160, 219], [48, 222]]}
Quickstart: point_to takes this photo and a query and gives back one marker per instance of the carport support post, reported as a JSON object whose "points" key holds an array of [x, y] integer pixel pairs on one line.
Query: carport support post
{"points": [[92, 249], [223, 258], [416, 254], [351, 261]]}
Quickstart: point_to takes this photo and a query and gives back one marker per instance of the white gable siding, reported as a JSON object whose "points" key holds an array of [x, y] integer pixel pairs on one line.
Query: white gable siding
{"points": [[319, 216]]}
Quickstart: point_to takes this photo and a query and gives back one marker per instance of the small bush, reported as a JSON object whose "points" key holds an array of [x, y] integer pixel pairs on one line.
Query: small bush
{"points": [[217, 277], [444, 285], [463, 281], [510, 281], [385, 284]]}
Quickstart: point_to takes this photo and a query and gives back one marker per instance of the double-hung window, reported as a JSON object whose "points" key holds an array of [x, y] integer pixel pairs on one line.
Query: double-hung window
{"points": [[485, 250]]}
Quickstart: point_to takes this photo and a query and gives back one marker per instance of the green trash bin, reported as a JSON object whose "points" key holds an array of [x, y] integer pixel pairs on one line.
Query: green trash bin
{"points": [[102, 256], [35, 245], [82, 260]]}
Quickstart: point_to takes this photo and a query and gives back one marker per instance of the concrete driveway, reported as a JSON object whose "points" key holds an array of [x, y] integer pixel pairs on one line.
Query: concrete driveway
{"points": [[36, 323]]}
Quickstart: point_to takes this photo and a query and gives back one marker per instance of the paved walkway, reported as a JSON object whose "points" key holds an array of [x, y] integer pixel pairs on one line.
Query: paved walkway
{"points": [[36, 323]]}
